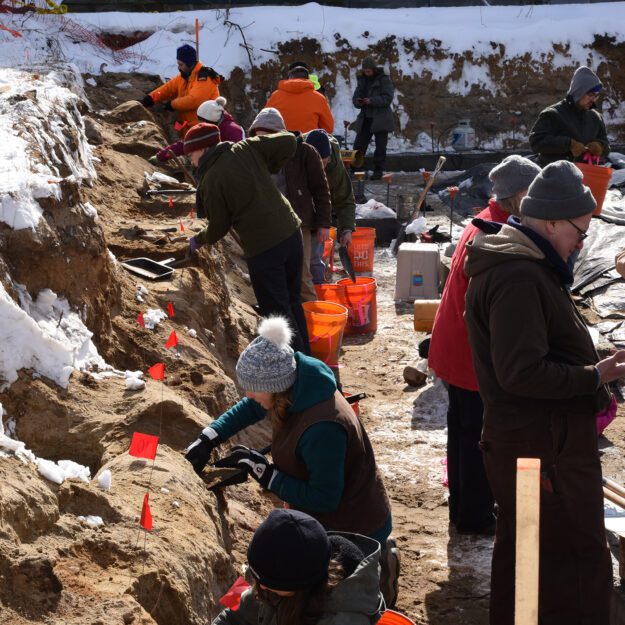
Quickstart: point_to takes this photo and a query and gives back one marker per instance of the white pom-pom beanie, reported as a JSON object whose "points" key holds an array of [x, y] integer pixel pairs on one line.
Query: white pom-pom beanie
{"points": [[212, 110], [267, 364]]}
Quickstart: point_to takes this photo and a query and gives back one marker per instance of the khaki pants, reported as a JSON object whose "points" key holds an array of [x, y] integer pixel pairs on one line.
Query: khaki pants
{"points": [[308, 290]]}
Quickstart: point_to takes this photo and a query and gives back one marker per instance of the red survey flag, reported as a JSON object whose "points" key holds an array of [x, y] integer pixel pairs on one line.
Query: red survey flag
{"points": [[141, 320], [172, 341], [181, 225], [157, 371], [170, 309], [232, 598], [146, 514], [143, 445], [171, 202]]}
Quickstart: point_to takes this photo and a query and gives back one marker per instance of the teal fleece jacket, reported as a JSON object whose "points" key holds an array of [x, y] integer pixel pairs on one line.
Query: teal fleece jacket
{"points": [[322, 447]]}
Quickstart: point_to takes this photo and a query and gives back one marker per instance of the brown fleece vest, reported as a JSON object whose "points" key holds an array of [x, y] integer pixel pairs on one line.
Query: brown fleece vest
{"points": [[364, 506]]}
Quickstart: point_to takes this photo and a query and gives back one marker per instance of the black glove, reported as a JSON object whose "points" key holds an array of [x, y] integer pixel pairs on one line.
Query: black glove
{"points": [[251, 461], [199, 451], [168, 107], [147, 101]]}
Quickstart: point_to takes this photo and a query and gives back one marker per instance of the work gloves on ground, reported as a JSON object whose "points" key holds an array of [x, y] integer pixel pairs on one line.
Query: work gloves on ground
{"points": [[199, 451], [251, 461], [595, 148], [147, 101], [577, 148]]}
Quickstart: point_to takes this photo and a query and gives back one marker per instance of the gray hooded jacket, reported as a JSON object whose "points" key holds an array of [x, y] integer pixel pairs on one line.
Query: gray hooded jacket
{"points": [[354, 601]]}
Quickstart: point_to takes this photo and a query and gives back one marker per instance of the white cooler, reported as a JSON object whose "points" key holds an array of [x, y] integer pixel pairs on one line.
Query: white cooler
{"points": [[418, 272]]}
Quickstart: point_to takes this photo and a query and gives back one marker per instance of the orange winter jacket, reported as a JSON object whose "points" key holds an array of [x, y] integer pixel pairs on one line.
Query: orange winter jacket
{"points": [[186, 94], [302, 107]]}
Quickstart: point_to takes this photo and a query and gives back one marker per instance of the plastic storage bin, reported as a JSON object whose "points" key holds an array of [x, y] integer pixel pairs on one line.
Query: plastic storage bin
{"points": [[418, 271]]}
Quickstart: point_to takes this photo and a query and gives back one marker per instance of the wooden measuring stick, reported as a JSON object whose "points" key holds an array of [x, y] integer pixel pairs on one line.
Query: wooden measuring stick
{"points": [[527, 541]]}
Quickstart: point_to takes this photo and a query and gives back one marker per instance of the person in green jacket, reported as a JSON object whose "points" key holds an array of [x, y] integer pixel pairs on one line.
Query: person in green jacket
{"points": [[573, 127], [323, 461], [236, 190], [304, 575], [341, 196]]}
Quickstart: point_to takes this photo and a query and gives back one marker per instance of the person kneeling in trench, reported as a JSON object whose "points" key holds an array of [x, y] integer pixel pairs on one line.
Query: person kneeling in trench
{"points": [[324, 462], [303, 574]]}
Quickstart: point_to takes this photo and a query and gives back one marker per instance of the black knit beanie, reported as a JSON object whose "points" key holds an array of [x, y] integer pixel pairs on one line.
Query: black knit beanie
{"points": [[558, 192], [289, 551], [319, 139]]}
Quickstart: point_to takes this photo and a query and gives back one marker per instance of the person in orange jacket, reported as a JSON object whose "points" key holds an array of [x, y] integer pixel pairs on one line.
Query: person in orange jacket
{"points": [[184, 93], [302, 107]]}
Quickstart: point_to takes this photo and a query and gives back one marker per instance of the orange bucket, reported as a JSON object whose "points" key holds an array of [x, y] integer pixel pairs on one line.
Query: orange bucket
{"points": [[355, 406], [333, 233], [598, 179], [362, 305], [328, 254], [394, 618], [331, 293], [361, 250], [326, 322]]}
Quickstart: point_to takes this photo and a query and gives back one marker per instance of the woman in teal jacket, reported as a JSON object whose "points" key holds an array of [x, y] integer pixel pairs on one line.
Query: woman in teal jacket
{"points": [[323, 462]]}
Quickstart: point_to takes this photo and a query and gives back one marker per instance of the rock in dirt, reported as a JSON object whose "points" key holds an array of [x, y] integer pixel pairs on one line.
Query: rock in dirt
{"points": [[414, 377]]}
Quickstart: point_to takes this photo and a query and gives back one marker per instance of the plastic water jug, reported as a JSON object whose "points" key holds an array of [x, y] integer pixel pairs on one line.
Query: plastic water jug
{"points": [[463, 136]]}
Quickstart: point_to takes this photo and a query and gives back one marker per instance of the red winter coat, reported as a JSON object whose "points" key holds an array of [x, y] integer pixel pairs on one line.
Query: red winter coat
{"points": [[450, 354]]}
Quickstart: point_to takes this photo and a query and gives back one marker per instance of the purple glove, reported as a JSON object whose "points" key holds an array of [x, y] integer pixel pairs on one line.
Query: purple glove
{"points": [[194, 245]]}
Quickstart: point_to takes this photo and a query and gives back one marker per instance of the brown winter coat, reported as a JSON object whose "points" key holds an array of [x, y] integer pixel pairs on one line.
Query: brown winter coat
{"points": [[533, 355], [307, 187], [364, 506]]}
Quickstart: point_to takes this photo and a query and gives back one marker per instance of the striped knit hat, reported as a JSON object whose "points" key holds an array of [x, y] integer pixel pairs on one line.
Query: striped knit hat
{"points": [[201, 136]]}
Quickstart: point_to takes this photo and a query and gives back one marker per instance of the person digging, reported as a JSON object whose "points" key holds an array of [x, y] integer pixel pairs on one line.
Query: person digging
{"points": [[235, 190], [323, 463]]}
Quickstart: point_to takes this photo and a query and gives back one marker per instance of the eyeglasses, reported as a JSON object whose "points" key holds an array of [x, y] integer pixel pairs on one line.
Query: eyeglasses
{"points": [[582, 235]]}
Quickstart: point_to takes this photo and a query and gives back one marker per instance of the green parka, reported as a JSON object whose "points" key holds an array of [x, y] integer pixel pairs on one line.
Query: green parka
{"points": [[354, 601]]}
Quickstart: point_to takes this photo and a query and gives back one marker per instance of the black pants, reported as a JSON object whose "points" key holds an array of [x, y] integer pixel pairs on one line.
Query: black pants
{"points": [[575, 574], [276, 277], [361, 143], [471, 502]]}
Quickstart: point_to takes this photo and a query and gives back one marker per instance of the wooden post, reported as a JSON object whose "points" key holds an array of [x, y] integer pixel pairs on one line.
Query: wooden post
{"points": [[527, 541], [197, 38]]}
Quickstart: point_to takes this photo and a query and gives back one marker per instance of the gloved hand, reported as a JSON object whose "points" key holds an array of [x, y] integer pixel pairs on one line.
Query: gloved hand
{"points": [[194, 246], [153, 160], [345, 238], [251, 461], [167, 106], [577, 148], [147, 101], [595, 148], [199, 451], [323, 234]]}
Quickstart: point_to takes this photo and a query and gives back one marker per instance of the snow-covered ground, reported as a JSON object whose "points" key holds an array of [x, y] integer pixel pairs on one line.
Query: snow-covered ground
{"points": [[468, 32]]}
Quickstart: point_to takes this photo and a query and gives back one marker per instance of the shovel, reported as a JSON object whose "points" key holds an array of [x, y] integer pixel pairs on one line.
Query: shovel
{"points": [[346, 261], [401, 235]]}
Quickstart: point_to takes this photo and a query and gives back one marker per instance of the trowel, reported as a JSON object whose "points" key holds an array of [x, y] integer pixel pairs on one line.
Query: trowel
{"points": [[346, 261]]}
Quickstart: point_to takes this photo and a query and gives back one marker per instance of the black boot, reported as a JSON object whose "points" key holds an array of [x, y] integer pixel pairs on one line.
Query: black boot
{"points": [[377, 174]]}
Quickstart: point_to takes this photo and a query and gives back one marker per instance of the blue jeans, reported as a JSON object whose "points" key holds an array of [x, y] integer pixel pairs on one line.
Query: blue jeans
{"points": [[317, 268]]}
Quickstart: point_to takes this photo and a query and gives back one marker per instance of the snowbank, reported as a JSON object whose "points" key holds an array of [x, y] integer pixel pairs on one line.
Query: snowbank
{"points": [[42, 140]]}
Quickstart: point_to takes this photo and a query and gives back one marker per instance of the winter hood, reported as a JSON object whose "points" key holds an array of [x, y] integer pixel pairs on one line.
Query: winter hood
{"points": [[314, 383], [296, 85], [583, 81]]}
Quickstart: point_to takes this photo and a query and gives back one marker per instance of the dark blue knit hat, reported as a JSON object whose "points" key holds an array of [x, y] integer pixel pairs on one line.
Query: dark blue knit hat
{"points": [[187, 55], [319, 139]]}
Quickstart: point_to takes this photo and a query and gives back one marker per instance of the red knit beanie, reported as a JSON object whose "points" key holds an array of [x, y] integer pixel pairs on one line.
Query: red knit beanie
{"points": [[201, 136]]}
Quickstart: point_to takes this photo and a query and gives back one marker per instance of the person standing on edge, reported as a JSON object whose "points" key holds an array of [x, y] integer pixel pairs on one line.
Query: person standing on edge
{"points": [[471, 504], [303, 182], [301, 107], [572, 127], [373, 96], [341, 196], [184, 93], [323, 461], [235, 189], [543, 387]]}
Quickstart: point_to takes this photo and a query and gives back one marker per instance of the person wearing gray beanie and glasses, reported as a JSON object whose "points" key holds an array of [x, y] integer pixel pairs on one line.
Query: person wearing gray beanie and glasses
{"points": [[323, 461], [544, 390]]}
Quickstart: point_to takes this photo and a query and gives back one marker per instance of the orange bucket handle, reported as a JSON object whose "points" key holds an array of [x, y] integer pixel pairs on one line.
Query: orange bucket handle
{"points": [[590, 159]]}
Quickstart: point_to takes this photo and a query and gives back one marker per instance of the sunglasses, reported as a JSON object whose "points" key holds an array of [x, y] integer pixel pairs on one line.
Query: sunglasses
{"points": [[582, 235]]}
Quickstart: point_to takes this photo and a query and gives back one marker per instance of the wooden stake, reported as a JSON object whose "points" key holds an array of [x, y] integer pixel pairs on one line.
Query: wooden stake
{"points": [[527, 541], [197, 38]]}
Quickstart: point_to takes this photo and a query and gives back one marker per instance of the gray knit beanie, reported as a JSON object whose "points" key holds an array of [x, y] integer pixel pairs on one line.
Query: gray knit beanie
{"points": [[515, 173], [369, 63], [267, 364], [558, 192], [268, 119]]}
